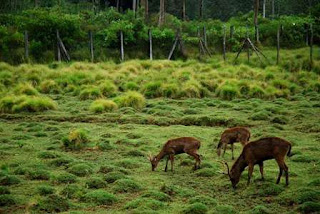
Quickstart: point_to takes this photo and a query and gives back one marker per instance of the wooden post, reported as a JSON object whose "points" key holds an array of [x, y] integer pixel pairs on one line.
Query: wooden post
{"points": [[311, 46], [224, 43], [121, 48], [278, 44], [58, 47], [150, 44], [26, 45], [91, 46], [205, 37]]}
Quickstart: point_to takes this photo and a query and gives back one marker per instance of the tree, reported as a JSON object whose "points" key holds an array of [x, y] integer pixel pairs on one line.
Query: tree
{"points": [[256, 11], [162, 13]]}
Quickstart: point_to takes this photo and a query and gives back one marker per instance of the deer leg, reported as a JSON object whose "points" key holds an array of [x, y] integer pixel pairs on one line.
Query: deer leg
{"points": [[196, 157], [232, 151], [172, 160], [286, 171], [280, 174], [281, 168], [250, 171], [165, 169], [224, 149], [261, 170]]}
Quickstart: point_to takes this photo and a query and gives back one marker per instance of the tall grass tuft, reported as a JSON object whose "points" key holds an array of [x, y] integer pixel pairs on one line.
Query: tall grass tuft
{"points": [[103, 105], [131, 99], [25, 89], [49, 86], [77, 139]]}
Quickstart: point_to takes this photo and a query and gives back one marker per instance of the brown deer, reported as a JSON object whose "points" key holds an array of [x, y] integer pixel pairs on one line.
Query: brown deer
{"points": [[176, 146], [231, 136], [256, 152]]}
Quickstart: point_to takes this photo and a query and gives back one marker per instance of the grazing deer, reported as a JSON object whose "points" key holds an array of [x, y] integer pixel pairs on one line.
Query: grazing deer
{"points": [[256, 152], [231, 136], [176, 146]]}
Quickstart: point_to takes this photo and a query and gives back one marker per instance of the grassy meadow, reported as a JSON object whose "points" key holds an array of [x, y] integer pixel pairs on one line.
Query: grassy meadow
{"points": [[74, 138]]}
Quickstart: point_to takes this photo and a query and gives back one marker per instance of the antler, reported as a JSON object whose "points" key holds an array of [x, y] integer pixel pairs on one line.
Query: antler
{"points": [[225, 163], [150, 156]]}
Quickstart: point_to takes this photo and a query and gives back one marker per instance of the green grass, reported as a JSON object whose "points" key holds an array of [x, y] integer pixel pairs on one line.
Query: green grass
{"points": [[71, 159]]}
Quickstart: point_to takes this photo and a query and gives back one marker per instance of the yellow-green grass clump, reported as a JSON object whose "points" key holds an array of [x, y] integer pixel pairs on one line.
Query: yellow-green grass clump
{"points": [[131, 99], [14, 104], [90, 92], [26, 89], [108, 88], [103, 105], [77, 139], [49, 86]]}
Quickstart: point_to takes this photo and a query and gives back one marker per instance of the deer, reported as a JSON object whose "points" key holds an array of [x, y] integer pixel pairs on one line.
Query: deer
{"points": [[174, 147], [231, 136], [256, 152]]}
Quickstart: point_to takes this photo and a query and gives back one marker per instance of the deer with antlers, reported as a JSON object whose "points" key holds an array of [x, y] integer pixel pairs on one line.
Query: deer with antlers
{"points": [[258, 151], [176, 146], [231, 136]]}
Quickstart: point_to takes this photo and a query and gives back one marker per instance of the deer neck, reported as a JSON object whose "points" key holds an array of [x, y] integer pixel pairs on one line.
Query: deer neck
{"points": [[160, 155], [238, 166]]}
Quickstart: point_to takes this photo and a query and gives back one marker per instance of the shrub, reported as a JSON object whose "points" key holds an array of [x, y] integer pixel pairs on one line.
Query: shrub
{"points": [[103, 105], [131, 99], [100, 197], [65, 178], [7, 200], [90, 93], [310, 207], [108, 89], [53, 204], [95, 183], [25, 89], [196, 208], [152, 89], [11, 104], [114, 176], [203, 199], [126, 185], [73, 191], [80, 169], [8, 180], [77, 139], [160, 196], [49, 86], [45, 190]]}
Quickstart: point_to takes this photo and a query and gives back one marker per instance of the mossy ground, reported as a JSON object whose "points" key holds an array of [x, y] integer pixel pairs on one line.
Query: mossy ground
{"points": [[38, 173]]}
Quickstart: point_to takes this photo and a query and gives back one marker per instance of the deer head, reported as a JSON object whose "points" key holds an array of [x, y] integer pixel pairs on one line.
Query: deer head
{"points": [[232, 176], [154, 162]]}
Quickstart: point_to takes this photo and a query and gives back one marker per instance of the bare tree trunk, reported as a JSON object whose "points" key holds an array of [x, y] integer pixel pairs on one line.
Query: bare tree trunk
{"points": [[200, 9], [264, 8], [134, 4], [184, 10], [162, 13], [272, 6], [144, 4], [256, 11]]}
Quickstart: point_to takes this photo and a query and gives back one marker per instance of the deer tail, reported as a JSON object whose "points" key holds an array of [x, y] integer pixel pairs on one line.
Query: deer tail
{"points": [[289, 151]]}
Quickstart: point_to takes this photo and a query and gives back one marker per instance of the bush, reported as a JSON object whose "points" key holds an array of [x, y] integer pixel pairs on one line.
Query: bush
{"points": [[111, 177], [11, 104], [108, 89], [49, 86], [77, 139], [65, 178], [103, 105], [90, 93], [196, 208], [95, 183], [310, 207], [53, 204], [7, 200], [100, 197], [131, 99], [25, 89], [126, 185], [45, 190], [73, 191], [8, 180], [80, 169]]}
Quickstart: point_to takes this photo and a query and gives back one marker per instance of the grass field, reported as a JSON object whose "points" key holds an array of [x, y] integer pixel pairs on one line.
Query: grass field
{"points": [[74, 138]]}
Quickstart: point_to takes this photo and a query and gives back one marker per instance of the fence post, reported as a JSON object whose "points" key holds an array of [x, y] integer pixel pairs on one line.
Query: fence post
{"points": [[58, 47], [121, 43], [224, 43], [91, 46], [150, 44], [278, 44], [311, 46], [26, 45]]}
